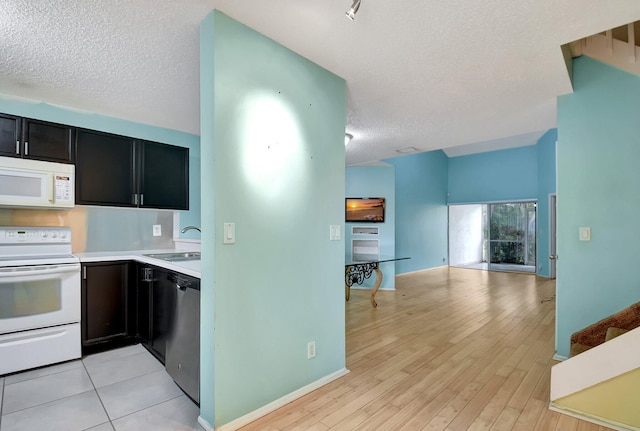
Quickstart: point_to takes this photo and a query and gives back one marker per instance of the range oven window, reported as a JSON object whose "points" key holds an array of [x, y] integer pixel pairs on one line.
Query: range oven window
{"points": [[28, 298], [39, 296]]}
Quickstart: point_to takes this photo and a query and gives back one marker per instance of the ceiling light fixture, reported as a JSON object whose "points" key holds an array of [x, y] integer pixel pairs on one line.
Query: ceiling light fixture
{"points": [[347, 138], [407, 150], [351, 13]]}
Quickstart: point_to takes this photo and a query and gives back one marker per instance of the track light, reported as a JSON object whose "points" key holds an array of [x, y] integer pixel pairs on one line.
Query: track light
{"points": [[351, 13], [347, 138]]}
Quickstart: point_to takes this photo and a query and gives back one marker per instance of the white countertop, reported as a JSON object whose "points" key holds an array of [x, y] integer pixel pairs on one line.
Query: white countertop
{"points": [[187, 267]]}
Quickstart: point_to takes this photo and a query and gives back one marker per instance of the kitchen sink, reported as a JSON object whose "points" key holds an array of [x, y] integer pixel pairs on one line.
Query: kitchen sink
{"points": [[176, 256]]}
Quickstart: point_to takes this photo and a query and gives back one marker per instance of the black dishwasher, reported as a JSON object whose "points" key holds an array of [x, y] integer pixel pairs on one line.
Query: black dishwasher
{"points": [[169, 324], [182, 360]]}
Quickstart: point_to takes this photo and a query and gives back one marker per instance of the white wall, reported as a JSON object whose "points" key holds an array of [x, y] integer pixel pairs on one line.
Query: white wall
{"points": [[465, 234]]}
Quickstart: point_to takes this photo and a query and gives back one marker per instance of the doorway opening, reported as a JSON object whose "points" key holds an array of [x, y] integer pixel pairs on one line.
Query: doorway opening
{"points": [[495, 236]]}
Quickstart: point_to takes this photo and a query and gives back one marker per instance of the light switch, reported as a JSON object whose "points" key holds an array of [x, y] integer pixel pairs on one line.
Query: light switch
{"points": [[334, 232], [585, 233], [229, 233]]}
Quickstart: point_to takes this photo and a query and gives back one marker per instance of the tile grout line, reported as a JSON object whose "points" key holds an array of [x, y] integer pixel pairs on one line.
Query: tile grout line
{"points": [[38, 368], [1, 402], [45, 403], [143, 409], [100, 398], [117, 357], [125, 380], [97, 394], [42, 403], [83, 366]]}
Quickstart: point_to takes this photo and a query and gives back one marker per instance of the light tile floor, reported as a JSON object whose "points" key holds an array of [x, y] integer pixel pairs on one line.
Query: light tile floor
{"points": [[125, 389]]}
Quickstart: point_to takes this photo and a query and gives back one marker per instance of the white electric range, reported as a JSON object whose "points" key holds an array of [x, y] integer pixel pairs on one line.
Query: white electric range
{"points": [[39, 298]]}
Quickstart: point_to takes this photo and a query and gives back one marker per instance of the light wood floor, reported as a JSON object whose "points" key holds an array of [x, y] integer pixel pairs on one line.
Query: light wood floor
{"points": [[451, 350]]}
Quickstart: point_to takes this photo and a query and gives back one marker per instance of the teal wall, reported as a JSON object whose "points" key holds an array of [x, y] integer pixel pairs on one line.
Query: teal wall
{"points": [[506, 175], [46, 112], [516, 174], [421, 210], [207, 242], [423, 182], [546, 149], [273, 151], [598, 186], [375, 181]]}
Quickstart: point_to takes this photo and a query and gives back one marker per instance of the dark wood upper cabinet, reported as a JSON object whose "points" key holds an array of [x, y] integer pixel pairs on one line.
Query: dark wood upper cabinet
{"points": [[10, 134], [111, 170], [119, 171], [35, 139], [164, 176], [47, 141], [105, 169]]}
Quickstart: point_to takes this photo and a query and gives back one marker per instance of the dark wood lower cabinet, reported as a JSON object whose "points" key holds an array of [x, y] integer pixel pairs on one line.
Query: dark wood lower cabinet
{"points": [[108, 305], [156, 305], [143, 308], [128, 302]]}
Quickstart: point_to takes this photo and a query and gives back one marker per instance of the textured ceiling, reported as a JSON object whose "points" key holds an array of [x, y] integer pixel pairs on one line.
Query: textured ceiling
{"points": [[425, 74]]}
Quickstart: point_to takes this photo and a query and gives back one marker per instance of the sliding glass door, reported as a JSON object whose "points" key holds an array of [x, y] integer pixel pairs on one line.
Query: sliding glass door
{"points": [[512, 236], [498, 237]]}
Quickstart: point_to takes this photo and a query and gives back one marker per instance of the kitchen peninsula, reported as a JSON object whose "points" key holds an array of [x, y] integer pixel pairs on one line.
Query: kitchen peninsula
{"points": [[151, 297]]}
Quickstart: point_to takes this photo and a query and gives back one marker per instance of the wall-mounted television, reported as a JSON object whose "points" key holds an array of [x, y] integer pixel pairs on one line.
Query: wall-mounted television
{"points": [[365, 210]]}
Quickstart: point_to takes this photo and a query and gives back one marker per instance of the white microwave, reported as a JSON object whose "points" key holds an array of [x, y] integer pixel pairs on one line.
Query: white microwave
{"points": [[28, 183]]}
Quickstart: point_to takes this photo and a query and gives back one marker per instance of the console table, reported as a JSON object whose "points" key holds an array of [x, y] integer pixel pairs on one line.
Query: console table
{"points": [[358, 268]]}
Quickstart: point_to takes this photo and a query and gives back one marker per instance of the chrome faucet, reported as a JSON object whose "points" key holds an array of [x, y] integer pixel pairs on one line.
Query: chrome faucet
{"points": [[185, 229]]}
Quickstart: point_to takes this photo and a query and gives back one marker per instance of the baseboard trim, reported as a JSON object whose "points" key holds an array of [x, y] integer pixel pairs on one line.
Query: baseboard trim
{"points": [[421, 270], [204, 424], [593, 419], [280, 402], [557, 357], [388, 289]]}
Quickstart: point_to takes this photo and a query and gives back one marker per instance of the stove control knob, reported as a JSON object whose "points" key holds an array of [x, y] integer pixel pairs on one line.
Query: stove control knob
{"points": [[63, 235], [43, 234]]}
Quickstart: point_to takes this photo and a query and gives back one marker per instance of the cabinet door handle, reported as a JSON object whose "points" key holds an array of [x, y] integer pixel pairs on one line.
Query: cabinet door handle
{"points": [[135, 199], [17, 147], [84, 272], [147, 274], [26, 148], [141, 199]]}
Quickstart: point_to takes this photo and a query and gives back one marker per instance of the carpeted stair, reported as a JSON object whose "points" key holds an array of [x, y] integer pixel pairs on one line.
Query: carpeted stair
{"points": [[605, 329]]}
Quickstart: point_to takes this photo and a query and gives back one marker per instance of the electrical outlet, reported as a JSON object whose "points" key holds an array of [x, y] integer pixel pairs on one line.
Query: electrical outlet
{"points": [[311, 349], [157, 230]]}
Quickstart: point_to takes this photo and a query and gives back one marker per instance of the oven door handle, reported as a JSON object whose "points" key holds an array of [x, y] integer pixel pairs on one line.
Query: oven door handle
{"points": [[28, 272]]}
